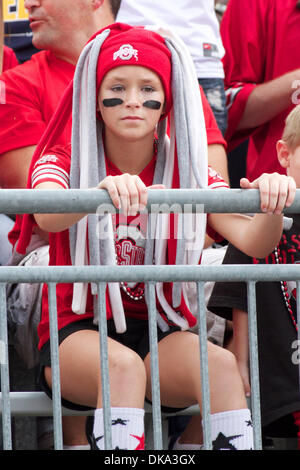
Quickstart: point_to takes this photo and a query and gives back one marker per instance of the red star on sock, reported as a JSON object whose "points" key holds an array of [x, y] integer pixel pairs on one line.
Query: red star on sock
{"points": [[141, 445]]}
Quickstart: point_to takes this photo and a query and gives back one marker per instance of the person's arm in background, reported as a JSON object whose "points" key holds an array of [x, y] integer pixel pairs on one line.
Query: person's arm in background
{"points": [[217, 159], [256, 236], [269, 99], [14, 166], [251, 100]]}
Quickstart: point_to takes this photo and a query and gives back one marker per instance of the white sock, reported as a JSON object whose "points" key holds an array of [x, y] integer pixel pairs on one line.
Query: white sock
{"points": [[80, 447], [184, 446], [127, 428], [232, 430]]}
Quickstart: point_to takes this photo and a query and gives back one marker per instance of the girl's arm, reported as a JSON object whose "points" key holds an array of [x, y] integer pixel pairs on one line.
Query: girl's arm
{"points": [[55, 222], [127, 192], [241, 346], [257, 236]]}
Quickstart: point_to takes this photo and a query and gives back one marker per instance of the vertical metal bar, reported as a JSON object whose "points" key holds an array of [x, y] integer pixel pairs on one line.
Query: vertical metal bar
{"points": [[298, 307], [6, 411], [204, 373], [254, 368], [155, 386], [56, 394], [298, 322], [101, 305]]}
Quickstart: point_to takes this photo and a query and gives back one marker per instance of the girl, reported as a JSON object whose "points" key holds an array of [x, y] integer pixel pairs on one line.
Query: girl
{"points": [[126, 83]]}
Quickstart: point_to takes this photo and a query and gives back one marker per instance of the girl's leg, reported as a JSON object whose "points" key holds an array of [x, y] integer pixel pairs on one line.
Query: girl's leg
{"points": [[81, 384], [180, 383]]}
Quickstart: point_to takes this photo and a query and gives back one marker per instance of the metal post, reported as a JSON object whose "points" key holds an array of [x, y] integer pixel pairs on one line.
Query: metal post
{"points": [[56, 395], [155, 387], [6, 412], [202, 329], [298, 322], [101, 305], [254, 369]]}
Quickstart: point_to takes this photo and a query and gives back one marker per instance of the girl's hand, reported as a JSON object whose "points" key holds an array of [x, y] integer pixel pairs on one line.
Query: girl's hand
{"points": [[276, 191], [127, 192]]}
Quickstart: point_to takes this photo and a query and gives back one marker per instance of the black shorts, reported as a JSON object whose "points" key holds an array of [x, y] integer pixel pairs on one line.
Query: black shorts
{"points": [[136, 338]]}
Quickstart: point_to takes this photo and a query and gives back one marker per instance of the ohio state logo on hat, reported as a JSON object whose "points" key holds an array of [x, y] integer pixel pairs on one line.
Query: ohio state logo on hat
{"points": [[126, 52]]}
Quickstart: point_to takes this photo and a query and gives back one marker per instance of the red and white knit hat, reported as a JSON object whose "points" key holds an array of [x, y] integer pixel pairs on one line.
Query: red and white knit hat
{"points": [[127, 45]]}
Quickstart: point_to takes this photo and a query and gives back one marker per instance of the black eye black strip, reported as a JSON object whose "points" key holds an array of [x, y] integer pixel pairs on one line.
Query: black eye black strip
{"points": [[152, 104], [109, 102]]}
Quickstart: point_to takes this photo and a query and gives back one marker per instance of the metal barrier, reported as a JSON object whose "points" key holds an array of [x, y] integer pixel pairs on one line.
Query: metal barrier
{"points": [[25, 201]]}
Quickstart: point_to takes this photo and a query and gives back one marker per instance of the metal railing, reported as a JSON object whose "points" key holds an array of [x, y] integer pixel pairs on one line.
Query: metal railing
{"points": [[26, 201]]}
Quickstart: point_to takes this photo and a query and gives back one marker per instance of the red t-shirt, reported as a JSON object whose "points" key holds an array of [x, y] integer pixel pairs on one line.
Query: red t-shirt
{"points": [[260, 39], [9, 59], [32, 91], [130, 236]]}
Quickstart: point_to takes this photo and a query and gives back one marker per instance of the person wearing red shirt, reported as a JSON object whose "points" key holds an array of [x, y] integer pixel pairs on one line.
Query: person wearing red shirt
{"points": [[9, 58], [262, 75]]}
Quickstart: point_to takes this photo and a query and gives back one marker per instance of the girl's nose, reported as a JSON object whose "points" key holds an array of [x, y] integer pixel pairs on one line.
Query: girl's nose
{"points": [[133, 98]]}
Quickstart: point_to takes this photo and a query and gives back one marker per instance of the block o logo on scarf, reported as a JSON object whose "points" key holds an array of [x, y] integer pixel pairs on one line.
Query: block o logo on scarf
{"points": [[126, 52]]}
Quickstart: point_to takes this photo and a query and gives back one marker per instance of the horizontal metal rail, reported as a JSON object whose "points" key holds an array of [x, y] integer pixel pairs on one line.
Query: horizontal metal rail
{"points": [[65, 274], [39, 404], [20, 201]]}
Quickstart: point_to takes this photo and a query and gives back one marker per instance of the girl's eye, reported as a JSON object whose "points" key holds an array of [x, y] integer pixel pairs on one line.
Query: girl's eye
{"points": [[117, 88], [148, 89]]}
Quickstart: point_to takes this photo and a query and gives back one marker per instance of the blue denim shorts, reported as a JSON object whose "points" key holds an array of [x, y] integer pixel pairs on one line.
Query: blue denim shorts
{"points": [[215, 93]]}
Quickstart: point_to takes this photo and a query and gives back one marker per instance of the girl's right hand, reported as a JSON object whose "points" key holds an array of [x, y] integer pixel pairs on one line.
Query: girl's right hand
{"points": [[127, 192]]}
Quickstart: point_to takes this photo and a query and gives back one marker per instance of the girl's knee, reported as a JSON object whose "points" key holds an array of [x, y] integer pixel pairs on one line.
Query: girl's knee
{"points": [[128, 363], [222, 359]]}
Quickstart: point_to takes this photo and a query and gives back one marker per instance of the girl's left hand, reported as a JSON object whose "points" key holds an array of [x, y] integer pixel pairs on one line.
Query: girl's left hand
{"points": [[276, 191], [127, 192]]}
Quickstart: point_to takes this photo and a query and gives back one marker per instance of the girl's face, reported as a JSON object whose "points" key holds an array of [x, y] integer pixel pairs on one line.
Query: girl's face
{"points": [[131, 101]]}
